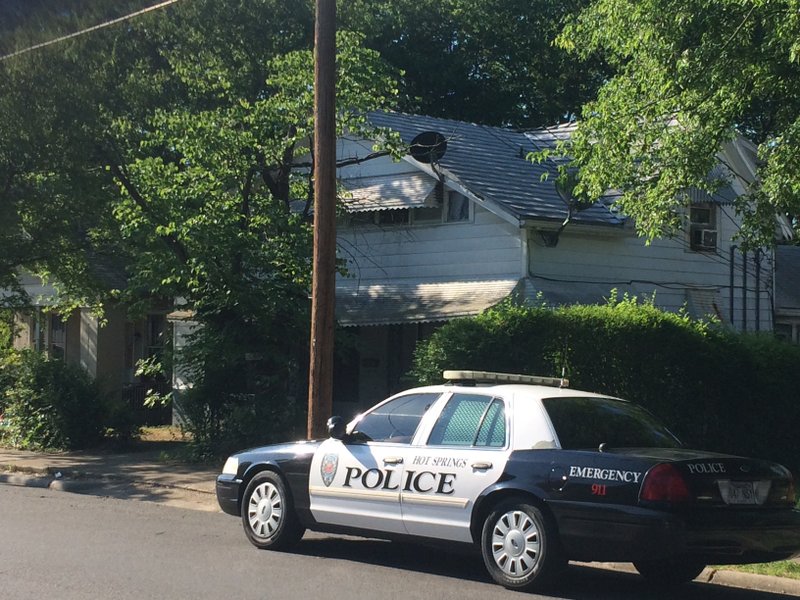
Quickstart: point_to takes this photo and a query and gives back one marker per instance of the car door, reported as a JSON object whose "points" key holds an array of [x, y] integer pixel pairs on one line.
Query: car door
{"points": [[357, 481], [465, 452]]}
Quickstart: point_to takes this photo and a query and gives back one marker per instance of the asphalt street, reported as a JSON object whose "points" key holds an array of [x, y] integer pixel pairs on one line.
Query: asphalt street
{"points": [[72, 546], [158, 482]]}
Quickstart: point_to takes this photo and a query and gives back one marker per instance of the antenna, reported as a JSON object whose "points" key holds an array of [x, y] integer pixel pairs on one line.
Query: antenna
{"points": [[428, 147]]}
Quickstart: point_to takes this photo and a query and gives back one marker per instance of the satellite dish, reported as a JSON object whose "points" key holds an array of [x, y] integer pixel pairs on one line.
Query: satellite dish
{"points": [[428, 147]]}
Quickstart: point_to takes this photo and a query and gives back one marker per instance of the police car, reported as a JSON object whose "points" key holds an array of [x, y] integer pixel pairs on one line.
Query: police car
{"points": [[526, 470]]}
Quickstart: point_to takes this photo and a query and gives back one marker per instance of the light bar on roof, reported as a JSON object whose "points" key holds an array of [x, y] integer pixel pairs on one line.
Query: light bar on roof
{"points": [[474, 377]]}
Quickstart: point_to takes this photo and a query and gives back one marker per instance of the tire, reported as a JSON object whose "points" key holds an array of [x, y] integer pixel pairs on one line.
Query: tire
{"points": [[268, 516], [520, 546], [669, 572]]}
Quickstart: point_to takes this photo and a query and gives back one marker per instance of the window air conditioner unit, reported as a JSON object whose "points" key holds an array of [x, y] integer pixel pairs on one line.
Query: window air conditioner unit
{"points": [[706, 238]]}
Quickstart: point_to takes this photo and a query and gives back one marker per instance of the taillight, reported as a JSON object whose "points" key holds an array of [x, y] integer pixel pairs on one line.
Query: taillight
{"points": [[664, 483]]}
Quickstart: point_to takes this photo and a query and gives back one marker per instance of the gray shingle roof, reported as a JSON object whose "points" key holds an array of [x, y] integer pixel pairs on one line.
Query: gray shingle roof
{"points": [[491, 162]]}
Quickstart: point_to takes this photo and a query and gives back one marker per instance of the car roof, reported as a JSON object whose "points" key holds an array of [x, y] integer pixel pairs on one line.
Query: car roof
{"points": [[515, 390]]}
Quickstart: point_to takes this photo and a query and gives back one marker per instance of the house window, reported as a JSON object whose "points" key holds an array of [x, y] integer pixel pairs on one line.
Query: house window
{"points": [[361, 218], [382, 218], [789, 332], [456, 208], [393, 217], [427, 215], [156, 335], [702, 228], [58, 337]]}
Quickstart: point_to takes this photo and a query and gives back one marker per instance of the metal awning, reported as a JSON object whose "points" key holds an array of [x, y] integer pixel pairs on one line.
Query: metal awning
{"points": [[388, 192], [410, 302], [701, 301], [564, 293]]}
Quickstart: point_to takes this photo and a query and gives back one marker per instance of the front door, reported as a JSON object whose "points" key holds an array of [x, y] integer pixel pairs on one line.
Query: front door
{"points": [[357, 482], [357, 485]]}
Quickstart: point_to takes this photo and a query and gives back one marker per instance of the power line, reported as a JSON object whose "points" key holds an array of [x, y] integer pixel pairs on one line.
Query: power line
{"points": [[89, 29]]}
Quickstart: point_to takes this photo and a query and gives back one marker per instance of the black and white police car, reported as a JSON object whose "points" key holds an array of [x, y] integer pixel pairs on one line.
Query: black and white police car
{"points": [[528, 471]]}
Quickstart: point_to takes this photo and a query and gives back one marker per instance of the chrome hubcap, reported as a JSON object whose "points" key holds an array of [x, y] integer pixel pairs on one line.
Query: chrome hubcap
{"points": [[516, 546], [264, 510]]}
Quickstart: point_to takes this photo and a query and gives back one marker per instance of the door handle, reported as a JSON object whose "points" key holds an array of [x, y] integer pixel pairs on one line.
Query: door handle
{"points": [[481, 466], [393, 460]]}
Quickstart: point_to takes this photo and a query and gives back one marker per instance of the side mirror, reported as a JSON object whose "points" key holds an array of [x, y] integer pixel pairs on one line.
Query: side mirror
{"points": [[337, 428]]}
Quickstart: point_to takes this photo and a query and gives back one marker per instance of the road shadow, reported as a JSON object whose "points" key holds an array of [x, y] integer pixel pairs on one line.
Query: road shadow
{"points": [[578, 582], [126, 490]]}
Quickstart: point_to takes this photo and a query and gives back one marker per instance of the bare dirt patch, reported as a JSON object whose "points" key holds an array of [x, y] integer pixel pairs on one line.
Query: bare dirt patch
{"points": [[164, 433]]}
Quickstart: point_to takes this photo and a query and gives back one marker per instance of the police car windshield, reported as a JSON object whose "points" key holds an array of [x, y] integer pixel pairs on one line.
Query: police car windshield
{"points": [[585, 423]]}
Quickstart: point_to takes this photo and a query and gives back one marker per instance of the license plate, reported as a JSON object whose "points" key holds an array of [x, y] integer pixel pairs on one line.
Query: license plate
{"points": [[744, 492]]}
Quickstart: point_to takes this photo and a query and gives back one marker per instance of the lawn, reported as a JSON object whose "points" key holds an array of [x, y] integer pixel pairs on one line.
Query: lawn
{"points": [[783, 568]]}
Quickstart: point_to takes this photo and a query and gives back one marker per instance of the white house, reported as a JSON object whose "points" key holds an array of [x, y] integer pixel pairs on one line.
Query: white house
{"points": [[108, 348], [455, 231], [426, 241]]}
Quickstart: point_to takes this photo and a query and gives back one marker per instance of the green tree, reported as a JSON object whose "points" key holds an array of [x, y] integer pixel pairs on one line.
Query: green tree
{"points": [[177, 147], [486, 61], [209, 194], [690, 76]]}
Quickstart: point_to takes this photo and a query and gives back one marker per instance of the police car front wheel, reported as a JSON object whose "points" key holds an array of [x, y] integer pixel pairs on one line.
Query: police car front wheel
{"points": [[520, 546], [268, 516]]}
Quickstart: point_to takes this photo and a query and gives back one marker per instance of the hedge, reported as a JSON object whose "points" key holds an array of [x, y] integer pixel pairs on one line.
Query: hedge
{"points": [[716, 389]]}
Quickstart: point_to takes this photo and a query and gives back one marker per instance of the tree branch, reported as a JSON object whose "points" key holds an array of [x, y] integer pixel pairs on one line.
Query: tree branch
{"points": [[171, 241]]}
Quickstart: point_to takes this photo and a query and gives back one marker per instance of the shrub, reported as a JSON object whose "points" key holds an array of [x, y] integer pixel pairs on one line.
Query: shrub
{"points": [[716, 389], [49, 404], [244, 389]]}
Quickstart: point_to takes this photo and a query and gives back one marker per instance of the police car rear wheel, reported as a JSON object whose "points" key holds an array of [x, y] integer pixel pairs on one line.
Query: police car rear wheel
{"points": [[268, 516], [520, 546]]}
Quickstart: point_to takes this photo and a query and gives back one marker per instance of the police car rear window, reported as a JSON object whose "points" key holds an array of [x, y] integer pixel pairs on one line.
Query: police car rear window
{"points": [[585, 423]]}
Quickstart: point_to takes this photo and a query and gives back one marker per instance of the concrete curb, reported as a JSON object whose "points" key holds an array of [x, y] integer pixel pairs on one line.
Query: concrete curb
{"points": [[75, 481], [735, 579], [23, 480], [753, 581]]}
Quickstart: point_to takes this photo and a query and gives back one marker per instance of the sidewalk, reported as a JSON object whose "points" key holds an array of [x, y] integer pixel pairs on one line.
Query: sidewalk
{"points": [[147, 475], [143, 474]]}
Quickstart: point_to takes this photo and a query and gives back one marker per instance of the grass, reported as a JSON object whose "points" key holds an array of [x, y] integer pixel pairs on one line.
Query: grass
{"points": [[783, 568]]}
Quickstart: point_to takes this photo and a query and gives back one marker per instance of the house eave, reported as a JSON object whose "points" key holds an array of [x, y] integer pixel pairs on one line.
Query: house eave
{"points": [[452, 181], [545, 224]]}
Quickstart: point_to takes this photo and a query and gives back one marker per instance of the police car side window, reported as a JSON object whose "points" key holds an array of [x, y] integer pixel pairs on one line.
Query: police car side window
{"points": [[470, 420], [492, 432], [396, 420]]}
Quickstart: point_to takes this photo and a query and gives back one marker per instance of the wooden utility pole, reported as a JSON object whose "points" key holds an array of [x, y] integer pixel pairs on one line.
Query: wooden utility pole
{"points": [[320, 377]]}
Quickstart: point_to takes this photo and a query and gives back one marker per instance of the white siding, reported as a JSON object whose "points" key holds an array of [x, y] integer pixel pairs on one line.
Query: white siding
{"points": [[667, 267], [483, 248]]}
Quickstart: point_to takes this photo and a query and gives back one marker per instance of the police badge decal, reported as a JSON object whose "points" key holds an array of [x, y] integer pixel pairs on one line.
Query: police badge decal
{"points": [[328, 468]]}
